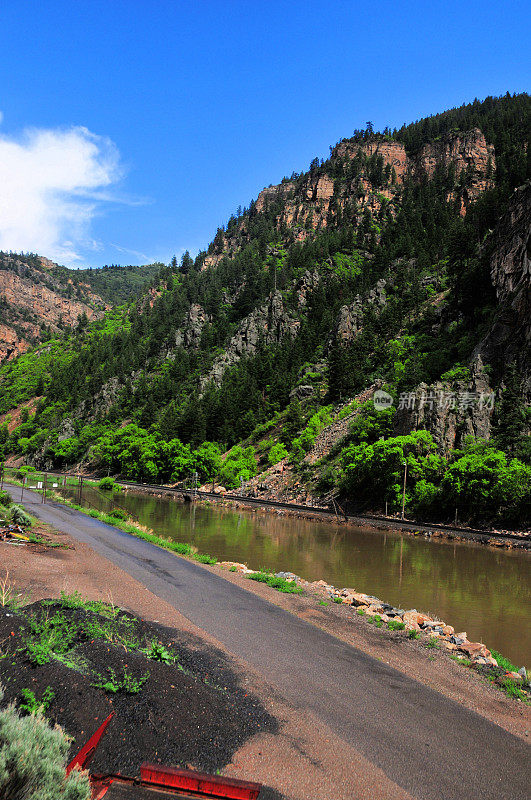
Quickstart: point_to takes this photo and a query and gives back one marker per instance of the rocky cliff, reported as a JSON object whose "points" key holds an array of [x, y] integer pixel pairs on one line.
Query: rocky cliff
{"points": [[364, 177], [269, 324], [509, 338], [32, 297]]}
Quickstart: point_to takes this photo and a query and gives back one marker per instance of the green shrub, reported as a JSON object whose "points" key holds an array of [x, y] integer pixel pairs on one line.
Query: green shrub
{"points": [[33, 758], [19, 516], [5, 499], [395, 625], [107, 484], [23, 471], [118, 513], [277, 453]]}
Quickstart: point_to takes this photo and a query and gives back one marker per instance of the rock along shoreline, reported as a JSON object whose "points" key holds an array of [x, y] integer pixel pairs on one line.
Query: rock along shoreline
{"points": [[413, 623]]}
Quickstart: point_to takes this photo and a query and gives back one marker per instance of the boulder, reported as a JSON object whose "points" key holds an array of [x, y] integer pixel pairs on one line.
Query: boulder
{"points": [[473, 649], [414, 616], [410, 620]]}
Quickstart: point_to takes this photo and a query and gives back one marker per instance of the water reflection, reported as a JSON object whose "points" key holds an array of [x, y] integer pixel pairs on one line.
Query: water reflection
{"points": [[474, 588]]}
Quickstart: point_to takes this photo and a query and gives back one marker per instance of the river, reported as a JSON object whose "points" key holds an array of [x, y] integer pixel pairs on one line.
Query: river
{"points": [[478, 589]]}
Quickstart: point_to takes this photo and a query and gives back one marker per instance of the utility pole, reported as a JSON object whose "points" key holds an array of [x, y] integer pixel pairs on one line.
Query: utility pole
{"points": [[404, 489], [43, 500], [22, 489]]}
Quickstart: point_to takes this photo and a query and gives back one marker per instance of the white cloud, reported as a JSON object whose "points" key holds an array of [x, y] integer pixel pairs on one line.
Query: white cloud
{"points": [[51, 184]]}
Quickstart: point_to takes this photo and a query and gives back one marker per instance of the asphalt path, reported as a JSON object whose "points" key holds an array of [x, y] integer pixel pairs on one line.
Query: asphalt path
{"points": [[429, 745]]}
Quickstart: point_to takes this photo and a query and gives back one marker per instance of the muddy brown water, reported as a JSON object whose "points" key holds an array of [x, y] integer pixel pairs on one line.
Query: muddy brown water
{"points": [[481, 590]]}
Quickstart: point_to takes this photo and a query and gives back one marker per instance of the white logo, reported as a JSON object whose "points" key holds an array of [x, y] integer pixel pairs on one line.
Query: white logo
{"points": [[382, 400]]}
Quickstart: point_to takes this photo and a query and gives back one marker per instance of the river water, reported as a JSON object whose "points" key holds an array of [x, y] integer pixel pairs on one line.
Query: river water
{"points": [[481, 590]]}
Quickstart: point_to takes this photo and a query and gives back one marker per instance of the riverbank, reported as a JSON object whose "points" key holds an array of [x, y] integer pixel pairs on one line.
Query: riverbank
{"points": [[411, 624], [508, 539], [493, 538], [74, 566]]}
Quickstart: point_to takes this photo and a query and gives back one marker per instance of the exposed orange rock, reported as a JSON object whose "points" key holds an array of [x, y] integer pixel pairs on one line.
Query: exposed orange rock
{"points": [[30, 299]]}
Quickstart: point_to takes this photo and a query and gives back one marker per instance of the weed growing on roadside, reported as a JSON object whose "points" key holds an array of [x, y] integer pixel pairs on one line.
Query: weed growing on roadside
{"points": [[76, 600], [512, 689], [432, 642], [49, 635], [337, 600], [465, 662], [233, 569], [120, 632], [126, 683], [323, 603], [158, 652], [204, 558], [360, 612], [396, 625], [9, 597], [32, 705], [413, 634], [503, 662], [281, 584]]}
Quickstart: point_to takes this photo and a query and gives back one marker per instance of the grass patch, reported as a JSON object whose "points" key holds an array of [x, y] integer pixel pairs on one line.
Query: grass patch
{"points": [[125, 683], [204, 558], [512, 689], [280, 584], [503, 662], [432, 642], [396, 625], [413, 634], [32, 705], [465, 662]]}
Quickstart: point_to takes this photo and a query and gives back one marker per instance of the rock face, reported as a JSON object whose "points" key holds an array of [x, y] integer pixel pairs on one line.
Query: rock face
{"points": [[469, 153], [30, 298], [270, 324], [189, 334], [510, 336], [393, 154], [449, 412], [350, 318], [308, 203]]}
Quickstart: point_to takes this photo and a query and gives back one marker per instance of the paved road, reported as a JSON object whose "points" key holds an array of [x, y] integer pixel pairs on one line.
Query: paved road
{"points": [[431, 746]]}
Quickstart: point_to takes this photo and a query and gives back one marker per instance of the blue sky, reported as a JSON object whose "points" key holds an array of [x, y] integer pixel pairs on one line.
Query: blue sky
{"points": [[132, 128]]}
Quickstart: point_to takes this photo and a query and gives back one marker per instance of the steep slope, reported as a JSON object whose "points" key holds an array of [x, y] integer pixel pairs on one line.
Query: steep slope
{"points": [[39, 298], [397, 262], [34, 302]]}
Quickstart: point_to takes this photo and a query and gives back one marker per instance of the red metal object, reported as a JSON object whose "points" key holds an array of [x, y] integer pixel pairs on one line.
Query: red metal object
{"points": [[87, 751], [169, 780], [191, 781]]}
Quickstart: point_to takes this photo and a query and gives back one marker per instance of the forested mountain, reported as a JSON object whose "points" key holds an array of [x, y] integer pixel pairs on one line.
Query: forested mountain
{"points": [[397, 263]]}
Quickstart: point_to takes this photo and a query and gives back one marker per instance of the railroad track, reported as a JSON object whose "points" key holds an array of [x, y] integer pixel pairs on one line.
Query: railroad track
{"points": [[325, 513], [329, 514]]}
